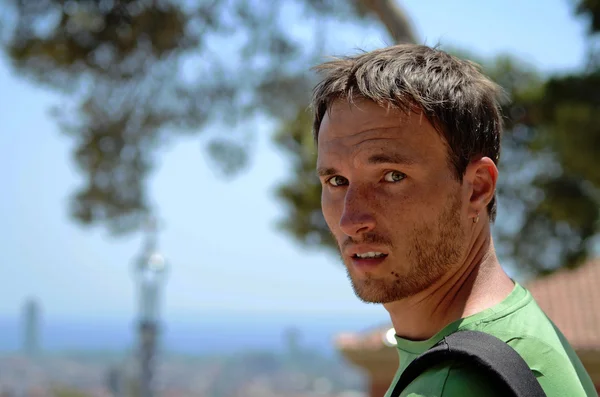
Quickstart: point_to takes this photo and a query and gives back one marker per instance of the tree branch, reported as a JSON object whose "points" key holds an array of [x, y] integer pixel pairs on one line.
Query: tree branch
{"points": [[394, 18]]}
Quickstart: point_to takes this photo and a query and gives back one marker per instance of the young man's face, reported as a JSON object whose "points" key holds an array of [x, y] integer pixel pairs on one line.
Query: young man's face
{"points": [[391, 200]]}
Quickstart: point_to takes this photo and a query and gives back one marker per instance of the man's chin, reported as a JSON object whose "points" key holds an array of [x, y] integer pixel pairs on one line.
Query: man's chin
{"points": [[375, 295], [379, 292], [374, 290], [375, 300]]}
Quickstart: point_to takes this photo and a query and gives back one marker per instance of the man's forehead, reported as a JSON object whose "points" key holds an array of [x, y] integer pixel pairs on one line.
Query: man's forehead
{"points": [[363, 149], [366, 111], [362, 131], [390, 134], [366, 120]]}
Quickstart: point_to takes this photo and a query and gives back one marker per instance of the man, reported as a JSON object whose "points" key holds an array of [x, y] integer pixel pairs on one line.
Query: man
{"points": [[408, 145]]}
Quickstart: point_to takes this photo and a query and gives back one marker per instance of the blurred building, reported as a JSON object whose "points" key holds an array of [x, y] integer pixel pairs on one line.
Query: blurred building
{"points": [[31, 328], [571, 299], [373, 354], [115, 381], [292, 340]]}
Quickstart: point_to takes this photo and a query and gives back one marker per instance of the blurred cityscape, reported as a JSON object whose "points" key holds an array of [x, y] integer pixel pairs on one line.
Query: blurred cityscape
{"points": [[294, 371], [145, 370]]}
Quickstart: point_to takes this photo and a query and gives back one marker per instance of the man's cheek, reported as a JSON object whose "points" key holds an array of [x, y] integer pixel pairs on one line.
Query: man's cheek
{"points": [[332, 218]]}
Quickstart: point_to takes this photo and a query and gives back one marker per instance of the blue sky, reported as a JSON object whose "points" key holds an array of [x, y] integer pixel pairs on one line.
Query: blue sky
{"points": [[226, 254]]}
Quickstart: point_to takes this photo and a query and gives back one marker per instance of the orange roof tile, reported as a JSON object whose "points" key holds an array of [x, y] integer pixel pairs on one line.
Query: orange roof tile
{"points": [[372, 339], [571, 298]]}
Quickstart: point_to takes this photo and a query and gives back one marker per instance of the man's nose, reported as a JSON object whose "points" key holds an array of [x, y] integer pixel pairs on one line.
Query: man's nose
{"points": [[357, 217]]}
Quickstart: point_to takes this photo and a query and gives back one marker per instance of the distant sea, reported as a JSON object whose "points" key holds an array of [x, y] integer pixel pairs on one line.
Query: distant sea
{"points": [[202, 334]]}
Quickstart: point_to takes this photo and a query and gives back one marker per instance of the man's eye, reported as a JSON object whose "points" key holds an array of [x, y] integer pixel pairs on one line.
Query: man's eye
{"points": [[337, 181], [394, 176]]}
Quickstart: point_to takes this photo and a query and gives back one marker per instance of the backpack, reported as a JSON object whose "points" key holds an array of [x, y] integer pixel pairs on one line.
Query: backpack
{"points": [[501, 364]]}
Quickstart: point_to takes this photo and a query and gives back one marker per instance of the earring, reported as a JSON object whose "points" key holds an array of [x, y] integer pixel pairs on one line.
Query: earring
{"points": [[476, 219]]}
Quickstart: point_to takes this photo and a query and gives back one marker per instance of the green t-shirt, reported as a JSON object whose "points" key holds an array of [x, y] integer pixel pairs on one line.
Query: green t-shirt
{"points": [[518, 321]]}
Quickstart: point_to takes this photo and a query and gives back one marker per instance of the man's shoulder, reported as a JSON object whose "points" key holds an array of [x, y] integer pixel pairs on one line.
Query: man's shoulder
{"points": [[556, 366], [559, 373], [526, 329], [547, 353], [465, 381], [450, 380]]}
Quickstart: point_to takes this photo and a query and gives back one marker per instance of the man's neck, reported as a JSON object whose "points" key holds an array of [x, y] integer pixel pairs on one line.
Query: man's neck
{"points": [[478, 284]]}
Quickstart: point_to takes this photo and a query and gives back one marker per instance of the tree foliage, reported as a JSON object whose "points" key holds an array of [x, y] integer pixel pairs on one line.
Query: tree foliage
{"points": [[549, 187], [561, 215], [137, 73]]}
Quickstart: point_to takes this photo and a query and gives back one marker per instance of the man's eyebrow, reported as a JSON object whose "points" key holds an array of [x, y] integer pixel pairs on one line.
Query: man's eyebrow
{"points": [[326, 171], [390, 158], [387, 158]]}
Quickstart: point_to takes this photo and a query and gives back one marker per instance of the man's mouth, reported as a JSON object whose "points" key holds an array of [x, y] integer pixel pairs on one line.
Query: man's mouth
{"points": [[369, 255]]}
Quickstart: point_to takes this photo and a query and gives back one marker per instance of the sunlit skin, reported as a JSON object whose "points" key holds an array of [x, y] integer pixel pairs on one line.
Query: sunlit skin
{"points": [[388, 187]]}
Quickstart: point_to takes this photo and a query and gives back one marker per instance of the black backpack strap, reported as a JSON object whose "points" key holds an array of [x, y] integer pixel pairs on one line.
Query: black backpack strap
{"points": [[501, 364]]}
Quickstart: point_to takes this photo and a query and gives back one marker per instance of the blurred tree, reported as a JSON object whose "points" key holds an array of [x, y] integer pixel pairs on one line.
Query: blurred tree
{"points": [[549, 187], [557, 124], [143, 71]]}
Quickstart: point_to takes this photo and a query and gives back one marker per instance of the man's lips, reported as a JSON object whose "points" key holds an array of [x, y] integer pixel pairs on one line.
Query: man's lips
{"points": [[366, 257], [366, 264], [362, 250]]}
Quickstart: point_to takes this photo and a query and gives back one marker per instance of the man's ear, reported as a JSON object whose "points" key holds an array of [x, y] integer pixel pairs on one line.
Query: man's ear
{"points": [[480, 176]]}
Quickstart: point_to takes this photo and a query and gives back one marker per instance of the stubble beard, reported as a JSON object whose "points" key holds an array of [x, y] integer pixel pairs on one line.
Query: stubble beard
{"points": [[432, 251]]}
